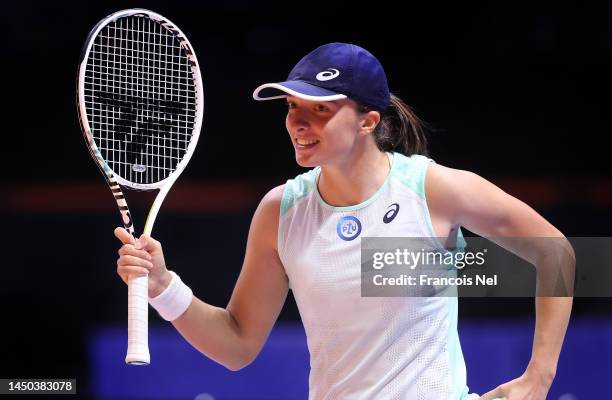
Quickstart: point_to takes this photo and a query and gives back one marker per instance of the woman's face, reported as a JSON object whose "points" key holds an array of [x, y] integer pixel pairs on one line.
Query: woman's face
{"points": [[322, 131]]}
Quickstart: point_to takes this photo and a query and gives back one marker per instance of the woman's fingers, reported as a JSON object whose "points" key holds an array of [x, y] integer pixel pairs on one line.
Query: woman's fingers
{"points": [[146, 242], [125, 271], [128, 249], [136, 261], [124, 236], [495, 394]]}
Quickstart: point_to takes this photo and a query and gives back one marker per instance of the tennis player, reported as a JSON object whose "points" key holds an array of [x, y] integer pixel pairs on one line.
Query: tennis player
{"points": [[370, 177]]}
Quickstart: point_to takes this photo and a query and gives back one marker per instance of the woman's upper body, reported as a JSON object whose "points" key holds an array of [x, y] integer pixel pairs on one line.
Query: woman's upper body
{"points": [[341, 136], [411, 341]]}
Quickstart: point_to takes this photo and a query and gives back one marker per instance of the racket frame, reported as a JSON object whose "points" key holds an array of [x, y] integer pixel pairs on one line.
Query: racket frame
{"points": [[138, 349]]}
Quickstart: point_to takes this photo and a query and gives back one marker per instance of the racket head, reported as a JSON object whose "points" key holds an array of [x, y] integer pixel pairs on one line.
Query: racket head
{"points": [[140, 98]]}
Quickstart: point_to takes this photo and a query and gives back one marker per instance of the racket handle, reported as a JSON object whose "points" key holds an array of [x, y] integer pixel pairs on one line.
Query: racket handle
{"points": [[138, 313]]}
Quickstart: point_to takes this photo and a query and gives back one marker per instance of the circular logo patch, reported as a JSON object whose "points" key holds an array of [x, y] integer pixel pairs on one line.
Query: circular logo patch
{"points": [[348, 228]]}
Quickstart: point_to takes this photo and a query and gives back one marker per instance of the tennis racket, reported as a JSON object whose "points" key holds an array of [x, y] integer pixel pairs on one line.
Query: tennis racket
{"points": [[140, 104]]}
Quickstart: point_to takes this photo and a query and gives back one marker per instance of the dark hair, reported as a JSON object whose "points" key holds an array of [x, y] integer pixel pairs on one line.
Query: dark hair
{"points": [[399, 129]]}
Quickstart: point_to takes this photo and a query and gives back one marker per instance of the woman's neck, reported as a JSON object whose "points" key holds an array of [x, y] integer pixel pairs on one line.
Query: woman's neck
{"points": [[354, 179]]}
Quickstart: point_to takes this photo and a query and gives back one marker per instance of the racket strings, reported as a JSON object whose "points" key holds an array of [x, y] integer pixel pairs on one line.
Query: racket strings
{"points": [[140, 98]]}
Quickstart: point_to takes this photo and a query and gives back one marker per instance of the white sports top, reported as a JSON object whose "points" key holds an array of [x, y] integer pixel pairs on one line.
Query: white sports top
{"points": [[367, 347]]}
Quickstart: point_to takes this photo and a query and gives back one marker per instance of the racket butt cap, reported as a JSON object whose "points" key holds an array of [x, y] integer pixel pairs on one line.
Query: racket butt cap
{"points": [[139, 357]]}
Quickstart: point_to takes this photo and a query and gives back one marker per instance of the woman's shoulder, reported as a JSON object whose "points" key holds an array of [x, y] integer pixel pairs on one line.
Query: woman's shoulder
{"points": [[414, 164], [273, 199], [265, 220], [441, 177], [281, 197], [444, 182], [297, 188], [456, 192]]}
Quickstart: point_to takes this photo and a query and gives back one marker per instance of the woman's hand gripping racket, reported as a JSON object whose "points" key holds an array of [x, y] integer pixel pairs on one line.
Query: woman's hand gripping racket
{"points": [[140, 103]]}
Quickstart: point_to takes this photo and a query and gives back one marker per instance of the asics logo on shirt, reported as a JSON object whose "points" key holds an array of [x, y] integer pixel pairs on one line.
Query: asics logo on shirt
{"points": [[328, 75], [392, 213]]}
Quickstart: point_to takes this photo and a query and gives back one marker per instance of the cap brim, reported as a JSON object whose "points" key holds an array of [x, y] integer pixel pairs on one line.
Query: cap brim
{"points": [[303, 90]]}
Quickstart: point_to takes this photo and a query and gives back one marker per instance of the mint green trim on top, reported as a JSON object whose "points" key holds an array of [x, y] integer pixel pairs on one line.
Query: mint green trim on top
{"points": [[416, 182], [297, 188], [294, 190], [411, 172]]}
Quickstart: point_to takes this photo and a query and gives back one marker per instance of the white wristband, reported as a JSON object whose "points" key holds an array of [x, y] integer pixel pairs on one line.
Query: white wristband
{"points": [[174, 300]]}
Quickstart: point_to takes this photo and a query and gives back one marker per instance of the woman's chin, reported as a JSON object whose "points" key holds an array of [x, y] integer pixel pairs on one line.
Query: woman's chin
{"points": [[305, 162]]}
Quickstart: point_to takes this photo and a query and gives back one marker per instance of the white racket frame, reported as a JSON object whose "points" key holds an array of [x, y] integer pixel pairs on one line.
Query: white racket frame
{"points": [[138, 347]]}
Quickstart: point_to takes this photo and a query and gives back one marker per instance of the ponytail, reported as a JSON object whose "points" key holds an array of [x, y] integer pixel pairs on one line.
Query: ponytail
{"points": [[399, 129]]}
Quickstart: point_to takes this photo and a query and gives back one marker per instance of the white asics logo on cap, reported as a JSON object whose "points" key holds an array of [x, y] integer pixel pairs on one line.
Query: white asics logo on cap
{"points": [[330, 74]]}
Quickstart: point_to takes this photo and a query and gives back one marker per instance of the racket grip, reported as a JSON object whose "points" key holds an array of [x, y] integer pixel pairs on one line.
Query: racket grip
{"points": [[138, 313]]}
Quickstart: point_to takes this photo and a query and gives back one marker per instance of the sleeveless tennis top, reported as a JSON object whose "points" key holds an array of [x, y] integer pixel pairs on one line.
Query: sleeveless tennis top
{"points": [[367, 347]]}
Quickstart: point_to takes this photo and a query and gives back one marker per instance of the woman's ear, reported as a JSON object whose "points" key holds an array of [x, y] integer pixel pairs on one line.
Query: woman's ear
{"points": [[369, 122]]}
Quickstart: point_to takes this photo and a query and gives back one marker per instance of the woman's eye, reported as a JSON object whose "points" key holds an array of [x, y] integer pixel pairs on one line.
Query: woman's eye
{"points": [[290, 104], [320, 107]]}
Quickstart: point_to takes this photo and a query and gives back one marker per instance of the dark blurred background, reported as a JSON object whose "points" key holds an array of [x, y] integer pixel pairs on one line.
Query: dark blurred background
{"points": [[516, 92]]}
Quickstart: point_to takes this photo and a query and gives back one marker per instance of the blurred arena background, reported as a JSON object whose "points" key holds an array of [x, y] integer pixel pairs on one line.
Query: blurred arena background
{"points": [[516, 92]]}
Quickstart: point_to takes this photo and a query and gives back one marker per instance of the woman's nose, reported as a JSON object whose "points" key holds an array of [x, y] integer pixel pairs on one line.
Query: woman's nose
{"points": [[298, 120]]}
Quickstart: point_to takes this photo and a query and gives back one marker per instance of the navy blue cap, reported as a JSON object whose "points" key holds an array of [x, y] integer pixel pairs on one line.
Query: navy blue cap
{"points": [[333, 71]]}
